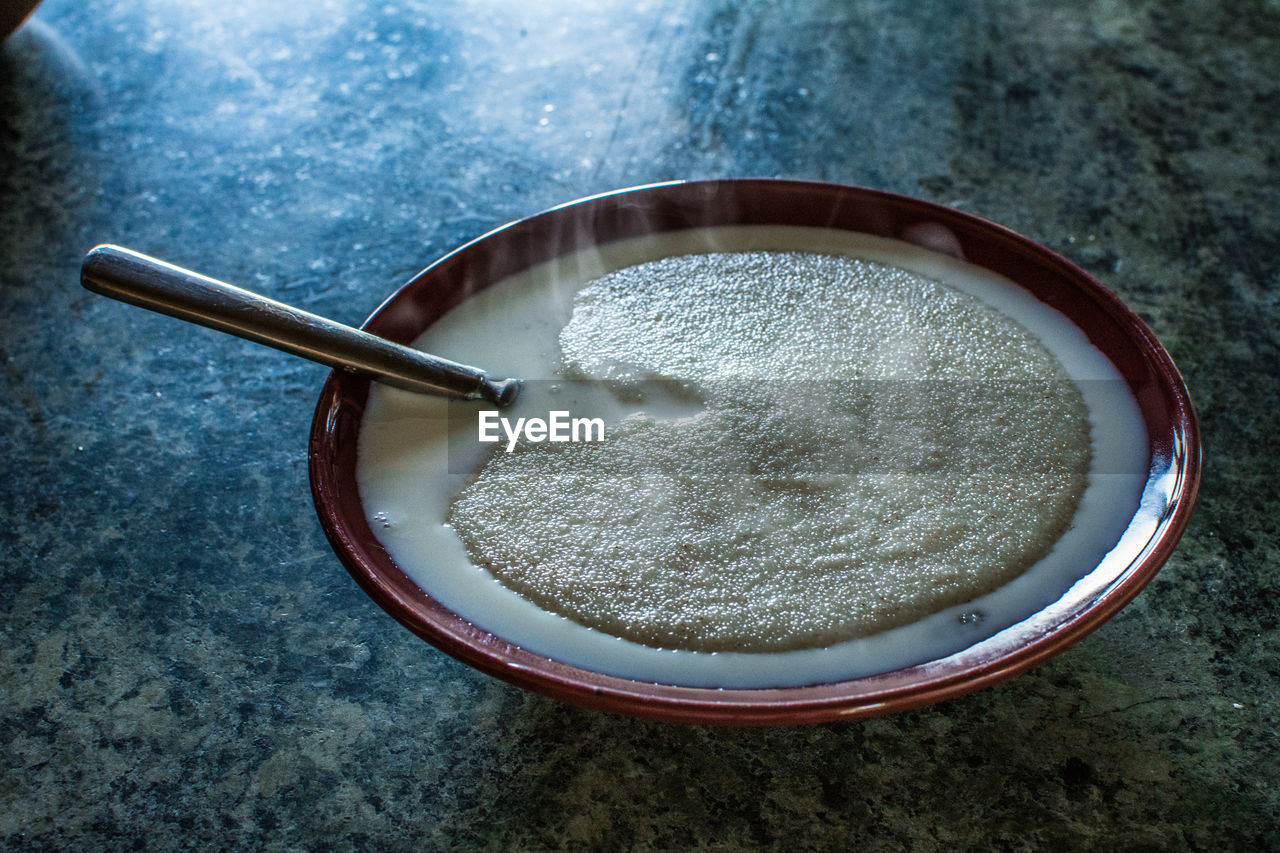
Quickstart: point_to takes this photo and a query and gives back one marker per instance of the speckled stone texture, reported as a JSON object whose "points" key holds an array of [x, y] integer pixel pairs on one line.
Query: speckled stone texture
{"points": [[184, 663]]}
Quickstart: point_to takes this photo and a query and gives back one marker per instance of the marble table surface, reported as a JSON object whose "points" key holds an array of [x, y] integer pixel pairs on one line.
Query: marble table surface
{"points": [[185, 663]]}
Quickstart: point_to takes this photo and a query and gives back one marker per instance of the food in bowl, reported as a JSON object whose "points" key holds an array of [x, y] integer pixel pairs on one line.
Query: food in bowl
{"points": [[1113, 547], [871, 442]]}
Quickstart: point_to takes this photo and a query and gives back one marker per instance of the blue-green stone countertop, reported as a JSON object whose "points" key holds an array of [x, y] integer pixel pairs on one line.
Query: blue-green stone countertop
{"points": [[184, 662]]}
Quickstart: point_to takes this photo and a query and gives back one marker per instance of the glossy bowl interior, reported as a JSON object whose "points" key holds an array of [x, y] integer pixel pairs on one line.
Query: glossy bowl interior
{"points": [[1172, 434]]}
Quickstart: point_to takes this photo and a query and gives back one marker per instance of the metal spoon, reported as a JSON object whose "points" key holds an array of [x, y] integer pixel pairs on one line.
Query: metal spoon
{"points": [[150, 283]]}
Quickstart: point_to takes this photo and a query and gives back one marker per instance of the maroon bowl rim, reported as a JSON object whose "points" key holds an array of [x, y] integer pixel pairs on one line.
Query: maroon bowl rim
{"points": [[1172, 427]]}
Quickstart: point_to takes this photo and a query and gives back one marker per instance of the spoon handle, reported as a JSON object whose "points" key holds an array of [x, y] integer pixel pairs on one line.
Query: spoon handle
{"points": [[150, 283]]}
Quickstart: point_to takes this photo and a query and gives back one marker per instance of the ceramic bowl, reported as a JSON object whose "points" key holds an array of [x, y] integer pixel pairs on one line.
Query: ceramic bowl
{"points": [[1169, 491]]}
